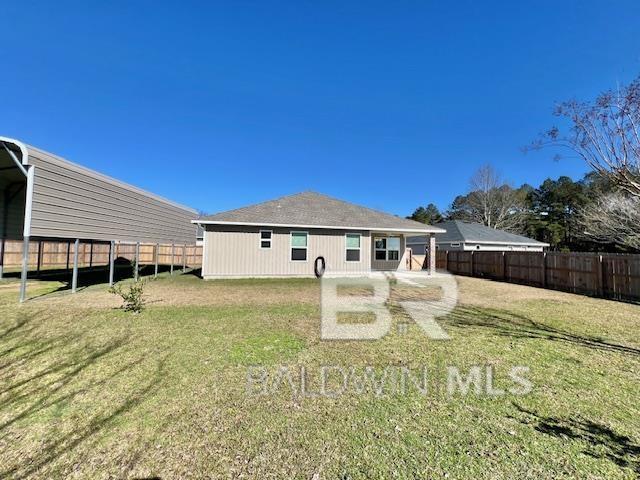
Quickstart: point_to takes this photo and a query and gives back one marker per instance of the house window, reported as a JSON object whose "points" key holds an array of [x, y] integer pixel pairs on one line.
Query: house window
{"points": [[299, 244], [352, 244], [387, 248], [455, 244], [380, 245], [393, 248], [265, 238]]}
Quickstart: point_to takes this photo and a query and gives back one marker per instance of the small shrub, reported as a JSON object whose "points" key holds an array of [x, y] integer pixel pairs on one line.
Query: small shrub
{"points": [[132, 296]]}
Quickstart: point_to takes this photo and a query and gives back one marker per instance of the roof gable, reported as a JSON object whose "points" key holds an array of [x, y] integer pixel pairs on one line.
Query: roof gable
{"points": [[311, 209]]}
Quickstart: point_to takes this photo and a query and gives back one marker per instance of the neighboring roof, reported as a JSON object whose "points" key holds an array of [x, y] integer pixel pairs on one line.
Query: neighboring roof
{"points": [[459, 231], [314, 210]]}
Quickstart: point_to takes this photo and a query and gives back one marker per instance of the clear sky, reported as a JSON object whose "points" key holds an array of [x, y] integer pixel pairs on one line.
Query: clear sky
{"points": [[386, 104]]}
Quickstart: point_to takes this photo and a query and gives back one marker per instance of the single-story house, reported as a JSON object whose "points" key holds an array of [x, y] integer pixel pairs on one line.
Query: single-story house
{"points": [[286, 236], [465, 236]]}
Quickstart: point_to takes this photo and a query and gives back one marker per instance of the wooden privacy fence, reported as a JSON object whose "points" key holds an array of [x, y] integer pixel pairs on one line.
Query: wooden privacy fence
{"points": [[53, 255], [614, 276]]}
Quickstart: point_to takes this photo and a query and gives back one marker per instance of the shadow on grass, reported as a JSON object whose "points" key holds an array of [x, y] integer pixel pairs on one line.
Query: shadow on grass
{"points": [[510, 324], [88, 276], [602, 441], [40, 377]]}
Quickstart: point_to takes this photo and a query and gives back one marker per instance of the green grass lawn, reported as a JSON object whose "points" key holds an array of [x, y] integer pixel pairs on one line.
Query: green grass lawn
{"points": [[90, 391]]}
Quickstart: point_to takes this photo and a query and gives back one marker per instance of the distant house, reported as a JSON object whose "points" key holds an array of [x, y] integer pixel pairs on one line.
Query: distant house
{"points": [[200, 236], [286, 237], [461, 235]]}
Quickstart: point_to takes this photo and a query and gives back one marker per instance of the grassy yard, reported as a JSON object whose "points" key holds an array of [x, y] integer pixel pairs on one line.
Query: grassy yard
{"points": [[90, 391]]}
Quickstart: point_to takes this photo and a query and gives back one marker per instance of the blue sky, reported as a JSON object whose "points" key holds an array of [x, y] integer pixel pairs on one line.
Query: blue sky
{"points": [[386, 104]]}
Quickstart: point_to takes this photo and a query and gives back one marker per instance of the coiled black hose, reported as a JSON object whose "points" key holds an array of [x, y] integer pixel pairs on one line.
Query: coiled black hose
{"points": [[319, 269]]}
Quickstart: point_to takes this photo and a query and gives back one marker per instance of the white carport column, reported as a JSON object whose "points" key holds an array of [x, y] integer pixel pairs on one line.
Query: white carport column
{"points": [[74, 277], [137, 264], [2, 243], [173, 250], [156, 251], [112, 247], [432, 253], [25, 269]]}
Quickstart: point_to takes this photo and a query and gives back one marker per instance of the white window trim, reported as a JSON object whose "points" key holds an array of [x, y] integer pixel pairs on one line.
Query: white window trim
{"points": [[386, 249], [347, 249], [291, 247], [260, 239]]}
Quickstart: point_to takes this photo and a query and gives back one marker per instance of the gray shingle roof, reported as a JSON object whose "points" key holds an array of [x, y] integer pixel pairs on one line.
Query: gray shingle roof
{"points": [[459, 231], [311, 209]]}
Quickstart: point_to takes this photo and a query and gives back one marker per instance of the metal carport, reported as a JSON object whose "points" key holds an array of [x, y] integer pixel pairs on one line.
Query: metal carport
{"points": [[45, 196]]}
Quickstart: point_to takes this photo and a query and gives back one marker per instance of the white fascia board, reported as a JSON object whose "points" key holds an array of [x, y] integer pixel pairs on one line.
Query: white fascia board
{"points": [[327, 227]]}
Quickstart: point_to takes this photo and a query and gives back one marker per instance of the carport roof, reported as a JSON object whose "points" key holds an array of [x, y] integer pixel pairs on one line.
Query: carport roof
{"points": [[315, 210]]}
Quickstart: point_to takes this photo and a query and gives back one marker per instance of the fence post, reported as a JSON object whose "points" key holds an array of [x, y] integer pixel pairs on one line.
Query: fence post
{"points": [[90, 254], [472, 269], [172, 256], [600, 274], [446, 260], [544, 269]]}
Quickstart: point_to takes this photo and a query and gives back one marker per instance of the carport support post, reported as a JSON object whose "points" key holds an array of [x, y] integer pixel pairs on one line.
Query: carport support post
{"points": [[74, 277], [156, 251], [39, 264], [173, 247], [135, 275], [111, 261], [25, 269], [432, 254], [2, 258]]}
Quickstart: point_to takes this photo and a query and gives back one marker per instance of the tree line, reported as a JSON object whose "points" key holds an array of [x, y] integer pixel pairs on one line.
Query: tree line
{"points": [[599, 212]]}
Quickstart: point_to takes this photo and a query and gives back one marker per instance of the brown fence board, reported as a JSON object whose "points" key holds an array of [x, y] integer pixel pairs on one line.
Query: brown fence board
{"points": [[59, 254], [614, 276]]}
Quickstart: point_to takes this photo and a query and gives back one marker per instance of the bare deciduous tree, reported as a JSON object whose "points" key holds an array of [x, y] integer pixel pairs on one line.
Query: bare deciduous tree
{"points": [[605, 133], [613, 218], [490, 202]]}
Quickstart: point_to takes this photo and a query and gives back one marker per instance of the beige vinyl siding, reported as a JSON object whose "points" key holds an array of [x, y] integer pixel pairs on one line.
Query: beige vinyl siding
{"points": [[70, 201], [235, 251]]}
